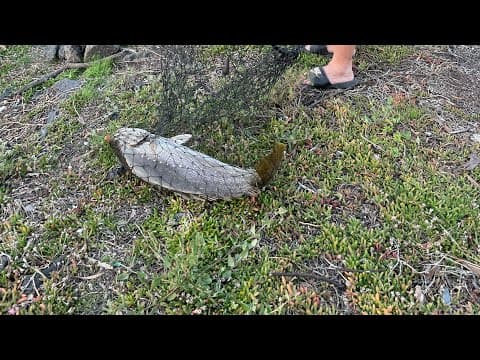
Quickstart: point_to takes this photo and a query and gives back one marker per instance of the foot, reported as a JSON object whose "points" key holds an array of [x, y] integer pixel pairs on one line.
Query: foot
{"points": [[325, 78]]}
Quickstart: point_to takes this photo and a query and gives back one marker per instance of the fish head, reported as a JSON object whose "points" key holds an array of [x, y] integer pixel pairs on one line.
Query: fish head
{"points": [[125, 140]]}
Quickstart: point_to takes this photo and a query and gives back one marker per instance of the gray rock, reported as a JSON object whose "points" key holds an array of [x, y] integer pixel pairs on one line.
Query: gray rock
{"points": [[100, 51], [6, 93], [52, 116], [73, 53], [70, 53], [61, 52], [33, 282], [51, 52], [66, 85], [3, 261], [135, 56]]}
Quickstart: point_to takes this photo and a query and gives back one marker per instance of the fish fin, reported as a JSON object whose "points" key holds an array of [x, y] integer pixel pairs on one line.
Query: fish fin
{"points": [[181, 139]]}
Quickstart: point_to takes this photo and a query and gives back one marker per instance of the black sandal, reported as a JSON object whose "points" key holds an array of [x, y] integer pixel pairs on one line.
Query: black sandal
{"points": [[317, 49], [319, 80]]}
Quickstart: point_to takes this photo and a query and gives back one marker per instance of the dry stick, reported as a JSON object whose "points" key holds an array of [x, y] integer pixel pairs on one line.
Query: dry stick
{"points": [[360, 270], [49, 76], [58, 72], [309, 275]]}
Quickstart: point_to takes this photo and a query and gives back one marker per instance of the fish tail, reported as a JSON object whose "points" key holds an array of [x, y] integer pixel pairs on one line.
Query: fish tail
{"points": [[267, 166]]}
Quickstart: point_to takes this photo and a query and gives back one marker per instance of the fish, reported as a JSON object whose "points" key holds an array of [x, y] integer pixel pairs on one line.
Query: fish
{"points": [[168, 163]]}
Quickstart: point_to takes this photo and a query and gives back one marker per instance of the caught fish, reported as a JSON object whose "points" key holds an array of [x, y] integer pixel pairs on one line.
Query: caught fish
{"points": [[166, 162]]}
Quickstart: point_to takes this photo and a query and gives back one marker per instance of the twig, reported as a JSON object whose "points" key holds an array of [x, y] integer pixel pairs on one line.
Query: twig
{"points": [[459, 131], [360, 270], [91, 277], [309, 224], [58, 72], [312, 276]]}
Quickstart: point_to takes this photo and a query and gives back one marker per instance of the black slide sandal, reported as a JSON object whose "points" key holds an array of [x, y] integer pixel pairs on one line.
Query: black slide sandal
{"points": [[319, 80]]}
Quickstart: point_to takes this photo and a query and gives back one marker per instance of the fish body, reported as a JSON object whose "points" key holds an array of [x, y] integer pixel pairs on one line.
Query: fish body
{"points": [[169, 164]]}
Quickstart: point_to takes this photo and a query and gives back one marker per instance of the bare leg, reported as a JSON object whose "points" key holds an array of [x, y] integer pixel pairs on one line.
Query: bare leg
{"points": [[339, 69]]}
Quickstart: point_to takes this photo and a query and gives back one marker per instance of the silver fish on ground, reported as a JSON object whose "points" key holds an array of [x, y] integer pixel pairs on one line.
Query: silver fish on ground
{"points": [[166, 162]]}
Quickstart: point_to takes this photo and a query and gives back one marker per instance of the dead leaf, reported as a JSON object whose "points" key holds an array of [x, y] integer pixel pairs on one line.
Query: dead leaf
{"points": [[472, 163]]}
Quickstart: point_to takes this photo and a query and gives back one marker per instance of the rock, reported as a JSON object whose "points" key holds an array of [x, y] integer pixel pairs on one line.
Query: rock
{"points": [[30, 283], [135, 56], [73, 53], [51, 52], [3, 261], [99, 51], [52, 116], [66, 85], [6, 93], [70, 53], [61, 52], [33, 282]]}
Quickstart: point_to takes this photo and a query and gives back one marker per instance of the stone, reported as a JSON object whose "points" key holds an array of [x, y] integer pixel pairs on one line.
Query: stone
{"points": [[135, 56], [73, 53], [66, 85], [51, 52], [61, 52], [3, 261], [99, 51]]}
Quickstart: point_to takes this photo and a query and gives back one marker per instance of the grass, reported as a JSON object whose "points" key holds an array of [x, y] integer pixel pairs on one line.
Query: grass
{"points": [[376, 55], [15, 57], [361, 188]]}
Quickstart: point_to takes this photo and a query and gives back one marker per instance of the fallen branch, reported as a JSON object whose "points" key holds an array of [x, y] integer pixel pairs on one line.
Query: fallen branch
{"points": [[57, 72], [312, 276]]}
